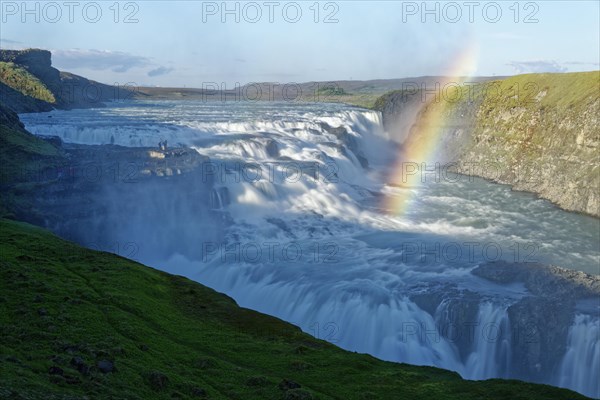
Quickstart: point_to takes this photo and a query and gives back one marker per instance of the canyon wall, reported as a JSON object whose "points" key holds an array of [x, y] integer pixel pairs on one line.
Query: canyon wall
{"points": [[539, 132], [27, 77]]}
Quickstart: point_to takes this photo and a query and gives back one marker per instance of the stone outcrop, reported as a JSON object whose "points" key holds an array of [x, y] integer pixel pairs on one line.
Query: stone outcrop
{"points": [[69, 90], [543, 318], [541, 280], [538, 321], [350, 143], [539, 133], [10, 119], [106, 194]]}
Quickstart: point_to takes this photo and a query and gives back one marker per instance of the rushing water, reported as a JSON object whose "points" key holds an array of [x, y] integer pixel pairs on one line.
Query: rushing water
{"points": [[307, 236]]}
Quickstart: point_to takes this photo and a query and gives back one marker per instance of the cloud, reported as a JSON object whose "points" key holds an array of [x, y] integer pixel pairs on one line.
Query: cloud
{"points": [[8, 41], [581, 63], [537, 66], [8, 44], [240, 60], [98, 60], [160, 71]]}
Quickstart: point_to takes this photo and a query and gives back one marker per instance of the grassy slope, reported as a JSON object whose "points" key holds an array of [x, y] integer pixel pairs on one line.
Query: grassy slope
{"points": [[549, 132], [59, 301], [537, 132], [560, 92], [547, 99], [25, 160], [23, 153], [17, 77]]}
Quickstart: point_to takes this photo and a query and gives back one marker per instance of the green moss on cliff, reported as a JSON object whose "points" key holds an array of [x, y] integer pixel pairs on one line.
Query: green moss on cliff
{"points": [[19, 79], [542, 131], [537, 132], [21, 152], [65, 310], [26, 160]]}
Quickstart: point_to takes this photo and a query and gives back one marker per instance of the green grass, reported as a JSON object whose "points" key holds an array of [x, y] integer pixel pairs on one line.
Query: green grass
{"points": [[18, 78], [364, 100], [24, 154], [537, 132], [331, 91], [564, 90], [27, 160], [59, 301]]}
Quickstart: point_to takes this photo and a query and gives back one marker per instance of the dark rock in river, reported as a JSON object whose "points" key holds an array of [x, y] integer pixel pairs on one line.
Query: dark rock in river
{"points": [[540, 322]]}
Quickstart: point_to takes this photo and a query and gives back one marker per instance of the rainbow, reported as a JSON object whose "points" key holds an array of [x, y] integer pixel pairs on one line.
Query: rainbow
{"points": [[420, 147]]}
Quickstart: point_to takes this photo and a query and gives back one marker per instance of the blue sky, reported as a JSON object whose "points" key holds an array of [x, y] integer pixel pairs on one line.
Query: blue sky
{"points": [[186, 43]]}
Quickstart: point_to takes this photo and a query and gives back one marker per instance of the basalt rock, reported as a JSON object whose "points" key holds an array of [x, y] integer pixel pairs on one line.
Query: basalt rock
{"points": [[538, 133], [540, 322], [107, 194], [69, 90]]}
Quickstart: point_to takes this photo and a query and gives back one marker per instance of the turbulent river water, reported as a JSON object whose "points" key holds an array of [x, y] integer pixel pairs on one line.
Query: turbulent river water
{"points": [[306, 233]]}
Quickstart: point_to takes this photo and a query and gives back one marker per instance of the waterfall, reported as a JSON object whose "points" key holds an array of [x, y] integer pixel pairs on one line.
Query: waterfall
{"points": [[219, 198], [491, 351], [291, 223], [377, 323], [581, 362]]}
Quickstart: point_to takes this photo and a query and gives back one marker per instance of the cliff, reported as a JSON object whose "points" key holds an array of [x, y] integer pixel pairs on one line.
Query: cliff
{"points": [[29, 83], [77, 322], [21, 151], [539, 133]]}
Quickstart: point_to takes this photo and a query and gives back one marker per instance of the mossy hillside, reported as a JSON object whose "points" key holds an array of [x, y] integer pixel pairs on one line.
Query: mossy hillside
{"points": [[361, 100], [26, 161], [29, 83], [19, 79], [21, 152], [22, 155], [537, 132], [334, 94], [542, 132], [68, 312]]}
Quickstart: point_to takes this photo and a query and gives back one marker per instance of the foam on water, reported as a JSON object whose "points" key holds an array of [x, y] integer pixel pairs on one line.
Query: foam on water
{"points": [[308, 241], [581, 362]]}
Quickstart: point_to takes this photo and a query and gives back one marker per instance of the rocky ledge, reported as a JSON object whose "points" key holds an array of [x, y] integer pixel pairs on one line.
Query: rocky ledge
{"points": [[109, 188], [541, 280], [538, 320], [543, 140]]}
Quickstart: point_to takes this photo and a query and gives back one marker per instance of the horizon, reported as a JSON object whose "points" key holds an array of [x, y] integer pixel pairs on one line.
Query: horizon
{"points": [[420, 77], [409, 190], [237, 43]]}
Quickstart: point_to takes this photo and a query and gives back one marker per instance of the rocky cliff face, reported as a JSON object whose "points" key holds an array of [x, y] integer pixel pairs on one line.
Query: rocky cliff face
{"points": [[135, 197], [556, 296], [532, 342], [539, 133], [36, 60], [69, 90], [10, 119]]}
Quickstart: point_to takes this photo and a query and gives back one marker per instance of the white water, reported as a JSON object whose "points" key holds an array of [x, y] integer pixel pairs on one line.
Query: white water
{"points": [[583, 348], [310, 242]]}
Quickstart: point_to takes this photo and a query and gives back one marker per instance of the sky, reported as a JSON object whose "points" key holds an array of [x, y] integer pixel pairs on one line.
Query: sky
{"points": [[199, 43]]}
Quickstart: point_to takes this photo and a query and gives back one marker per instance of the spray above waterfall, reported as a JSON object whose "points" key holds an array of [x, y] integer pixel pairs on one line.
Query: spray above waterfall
{"points": [[418, 153], [289, 221]]}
